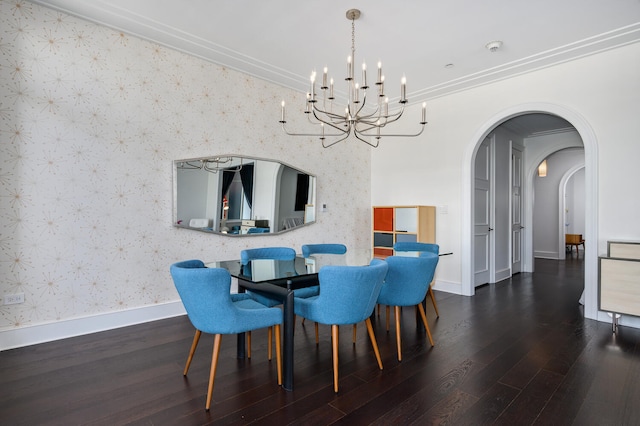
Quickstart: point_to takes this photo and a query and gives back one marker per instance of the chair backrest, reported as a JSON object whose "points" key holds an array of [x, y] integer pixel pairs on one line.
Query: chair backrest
{"points": [[310, 249], [348, 294], [205, 294], [408, 279], [276, 253], [422, 247]]}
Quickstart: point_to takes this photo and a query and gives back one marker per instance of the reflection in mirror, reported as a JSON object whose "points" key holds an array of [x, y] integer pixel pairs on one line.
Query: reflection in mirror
{"points": [[236, 195]]}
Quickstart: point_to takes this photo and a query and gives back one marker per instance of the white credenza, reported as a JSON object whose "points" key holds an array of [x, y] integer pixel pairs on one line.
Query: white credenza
{"points": [[619, 280]]}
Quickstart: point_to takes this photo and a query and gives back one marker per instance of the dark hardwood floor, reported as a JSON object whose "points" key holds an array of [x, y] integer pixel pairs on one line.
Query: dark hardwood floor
{"points": [[517, 353]]}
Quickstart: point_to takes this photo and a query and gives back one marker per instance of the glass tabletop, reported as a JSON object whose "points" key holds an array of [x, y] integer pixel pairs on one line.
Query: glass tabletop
{"points": [[269, 270]]}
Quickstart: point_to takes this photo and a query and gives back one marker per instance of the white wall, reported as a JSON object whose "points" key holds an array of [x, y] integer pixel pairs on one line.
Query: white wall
{"points": [[598, 92], [547, 207], [89, 126], [574, 223]]}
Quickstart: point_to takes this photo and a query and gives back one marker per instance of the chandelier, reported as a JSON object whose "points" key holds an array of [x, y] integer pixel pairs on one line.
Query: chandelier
{"points": [[366, 122]]}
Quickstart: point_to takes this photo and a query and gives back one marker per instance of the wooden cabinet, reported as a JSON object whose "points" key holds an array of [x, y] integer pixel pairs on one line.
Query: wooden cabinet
{"points": [[402, 223]]}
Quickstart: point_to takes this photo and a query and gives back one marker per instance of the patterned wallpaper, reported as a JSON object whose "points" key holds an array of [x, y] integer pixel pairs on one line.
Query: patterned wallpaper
{"points": [[90, 121]]}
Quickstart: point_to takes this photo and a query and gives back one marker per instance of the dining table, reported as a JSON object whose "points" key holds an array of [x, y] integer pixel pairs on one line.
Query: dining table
{"points": [[277, 280]]}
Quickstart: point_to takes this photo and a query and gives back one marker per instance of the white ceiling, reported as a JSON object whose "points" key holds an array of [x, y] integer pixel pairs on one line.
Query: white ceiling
{"points": [[283, 41]]}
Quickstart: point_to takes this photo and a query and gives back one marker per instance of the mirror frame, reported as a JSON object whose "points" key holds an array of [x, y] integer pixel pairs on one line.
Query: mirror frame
{"points": [[310, 208]]}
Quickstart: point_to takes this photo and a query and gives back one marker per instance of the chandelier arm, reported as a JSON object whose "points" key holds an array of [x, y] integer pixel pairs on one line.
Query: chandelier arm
{"points": [[310, 134], [334, 142], [396, 116], [357, 135], [327, 113], [333, 125], [397, 136]]}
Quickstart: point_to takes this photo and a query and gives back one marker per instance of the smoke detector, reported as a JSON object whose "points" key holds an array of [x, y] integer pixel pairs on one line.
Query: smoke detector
{"points": [[493, 45]]}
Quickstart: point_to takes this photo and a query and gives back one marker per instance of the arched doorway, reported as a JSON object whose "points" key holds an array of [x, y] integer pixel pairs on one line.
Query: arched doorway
{"points": [[563, 222], [591, 188]]}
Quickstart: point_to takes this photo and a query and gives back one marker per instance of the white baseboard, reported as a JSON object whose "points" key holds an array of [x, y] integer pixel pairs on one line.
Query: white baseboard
{"points": [[546, 254], [47, 332], [448, 287]]}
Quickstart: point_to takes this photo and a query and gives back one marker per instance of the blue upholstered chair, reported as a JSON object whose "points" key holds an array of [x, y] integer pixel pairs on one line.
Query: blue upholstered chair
{"points": [[311, 249], [422, 248], [268, 253], [276, 253], [286, 254], [406, 284], [205, 294], [348, 295]]}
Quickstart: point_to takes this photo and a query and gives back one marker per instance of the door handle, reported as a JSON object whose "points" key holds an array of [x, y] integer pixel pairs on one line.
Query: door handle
{"points": [[490, 229]]}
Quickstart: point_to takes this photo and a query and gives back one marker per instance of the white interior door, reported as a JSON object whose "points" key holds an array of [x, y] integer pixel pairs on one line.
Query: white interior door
{"points": [[516, 211], [483, 208]]}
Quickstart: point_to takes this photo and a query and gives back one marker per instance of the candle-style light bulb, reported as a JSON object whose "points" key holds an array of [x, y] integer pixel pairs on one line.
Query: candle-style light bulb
{"points": [[324, 78], [349, 68], [424, 112], [313, 85], [403, 89], [331, 89], [364, 75], [379, 72], [282, 118]]}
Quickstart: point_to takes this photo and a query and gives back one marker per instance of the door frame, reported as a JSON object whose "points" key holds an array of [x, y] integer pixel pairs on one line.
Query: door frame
{"points": [[562, 202], [589, 141]]}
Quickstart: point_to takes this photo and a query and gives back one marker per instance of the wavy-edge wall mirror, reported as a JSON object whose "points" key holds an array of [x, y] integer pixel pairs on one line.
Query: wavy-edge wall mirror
{"points": [[238, 195]]}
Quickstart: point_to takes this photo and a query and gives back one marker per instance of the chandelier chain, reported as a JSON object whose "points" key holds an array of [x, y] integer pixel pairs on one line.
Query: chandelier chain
{"points": [[353, 37]]}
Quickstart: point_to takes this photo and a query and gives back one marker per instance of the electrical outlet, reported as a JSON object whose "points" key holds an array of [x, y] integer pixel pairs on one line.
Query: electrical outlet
{"points": [[14, 299]]}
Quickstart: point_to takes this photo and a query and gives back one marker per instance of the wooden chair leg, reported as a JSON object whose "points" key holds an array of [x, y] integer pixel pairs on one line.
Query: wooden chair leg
{"points": [[398, 337], [214, 365], [374, 342], [388, 315], [334, 344], [426, 324], [269, 344], [433, 299], [317, 335], [355, 333], [278, 354], [196, 339], [248, 344]]}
